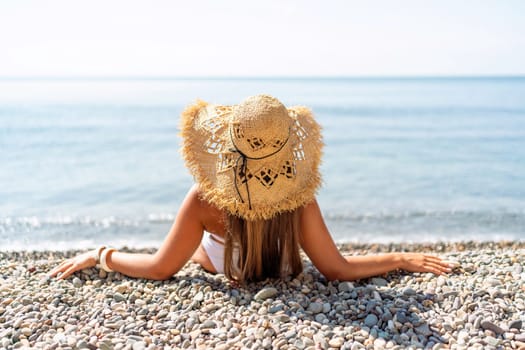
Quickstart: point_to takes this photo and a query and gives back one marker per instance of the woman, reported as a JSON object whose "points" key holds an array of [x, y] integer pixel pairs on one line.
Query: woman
{"points": [[256, 166]]}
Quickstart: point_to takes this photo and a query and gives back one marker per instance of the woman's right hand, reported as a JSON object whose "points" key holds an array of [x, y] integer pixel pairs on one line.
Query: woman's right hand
{"points": [[77, 263], [416, 262]]}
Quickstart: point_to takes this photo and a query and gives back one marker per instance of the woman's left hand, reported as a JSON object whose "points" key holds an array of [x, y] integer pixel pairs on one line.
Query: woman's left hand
{"points": [[416, 262], [79, 262]]}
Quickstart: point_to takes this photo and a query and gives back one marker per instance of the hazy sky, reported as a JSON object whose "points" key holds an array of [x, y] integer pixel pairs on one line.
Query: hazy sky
{"points": [[261, 38]]}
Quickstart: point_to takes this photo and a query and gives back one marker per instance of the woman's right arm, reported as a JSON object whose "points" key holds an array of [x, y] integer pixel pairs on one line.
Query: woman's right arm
{"points": [[324, 254], [182, 240]]}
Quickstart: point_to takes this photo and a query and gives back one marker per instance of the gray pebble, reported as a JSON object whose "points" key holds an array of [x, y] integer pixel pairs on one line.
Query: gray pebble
{"points": [[452, 293], [423, 330], [409, 291], [370, 306], [82, 344], [345, 287], [386, 316], [233, 332], [266, 293], [326, 308], [378, 281], [491, 326], [77, 283], [371, 320], [477, 322], [401, 317], [517, 324], [283, 318], [357, 346], [290, 334], [26, 301], [315, 308], [275, 308], [119, 297], [491, 341], [105, 345], [190, 322], [320, 318], [208, 324], [299, 344]]}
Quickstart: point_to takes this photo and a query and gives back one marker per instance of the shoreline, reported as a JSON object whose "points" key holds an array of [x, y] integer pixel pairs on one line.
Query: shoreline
{"points": [[350, 245], [480, 305]]}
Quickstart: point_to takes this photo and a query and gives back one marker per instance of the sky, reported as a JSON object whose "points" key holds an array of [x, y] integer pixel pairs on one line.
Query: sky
{"points": [[202, 38]]}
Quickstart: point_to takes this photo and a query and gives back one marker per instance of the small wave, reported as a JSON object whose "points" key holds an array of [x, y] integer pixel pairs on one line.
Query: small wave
{"points": [[519, 215], [36, 222], [81, 232], [111, 221], [69, 232], [161, 217], [67, 220], [80, 244], [427, 226]]}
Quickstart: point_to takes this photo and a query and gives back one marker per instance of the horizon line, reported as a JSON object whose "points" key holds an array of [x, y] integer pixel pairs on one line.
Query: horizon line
{"points": [[262, 77]]}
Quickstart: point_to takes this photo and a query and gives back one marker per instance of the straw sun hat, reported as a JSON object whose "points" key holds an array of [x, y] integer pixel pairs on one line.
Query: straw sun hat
{"points": [[255, 159]]}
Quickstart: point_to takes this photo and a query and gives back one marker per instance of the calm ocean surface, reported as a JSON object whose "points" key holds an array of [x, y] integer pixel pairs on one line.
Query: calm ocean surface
{"points": [[86, 162]]}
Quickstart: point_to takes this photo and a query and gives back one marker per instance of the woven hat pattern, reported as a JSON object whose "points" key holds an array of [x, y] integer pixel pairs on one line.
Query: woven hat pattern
{"points": [[255, 159]]}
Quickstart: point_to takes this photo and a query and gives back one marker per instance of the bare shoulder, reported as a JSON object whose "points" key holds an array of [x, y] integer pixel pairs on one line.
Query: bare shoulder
{"points": [[311, 208], [211, 217], [312, 224], [311, 216]]}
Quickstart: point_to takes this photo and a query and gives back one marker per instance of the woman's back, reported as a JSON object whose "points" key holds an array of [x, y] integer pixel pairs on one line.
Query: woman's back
{"points": [[247, 249]]}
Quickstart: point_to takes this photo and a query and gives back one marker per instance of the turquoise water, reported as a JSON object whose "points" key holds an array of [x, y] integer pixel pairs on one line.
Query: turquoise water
{"points": [[86, 162]]}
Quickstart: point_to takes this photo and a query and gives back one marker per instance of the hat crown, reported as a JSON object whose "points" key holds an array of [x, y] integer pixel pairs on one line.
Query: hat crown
{"points": [[260, 126]]}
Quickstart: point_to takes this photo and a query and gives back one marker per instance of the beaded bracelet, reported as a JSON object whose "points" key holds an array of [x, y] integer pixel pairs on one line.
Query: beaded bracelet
{"points": [[103, 259]]}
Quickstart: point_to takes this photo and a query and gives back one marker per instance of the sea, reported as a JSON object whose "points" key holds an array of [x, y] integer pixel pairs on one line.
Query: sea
{"points": [[90, 161]]}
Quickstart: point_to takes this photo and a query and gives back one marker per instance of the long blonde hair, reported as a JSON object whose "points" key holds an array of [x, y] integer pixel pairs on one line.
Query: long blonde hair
{"points": [[255, 250]]}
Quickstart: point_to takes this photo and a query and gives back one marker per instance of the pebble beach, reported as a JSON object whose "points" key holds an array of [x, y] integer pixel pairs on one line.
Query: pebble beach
{"points": [[480, 305]]}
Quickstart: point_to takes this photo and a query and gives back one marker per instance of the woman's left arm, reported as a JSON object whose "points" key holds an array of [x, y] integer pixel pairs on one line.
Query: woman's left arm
{"points": [[182, 240], [324, 254]]}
